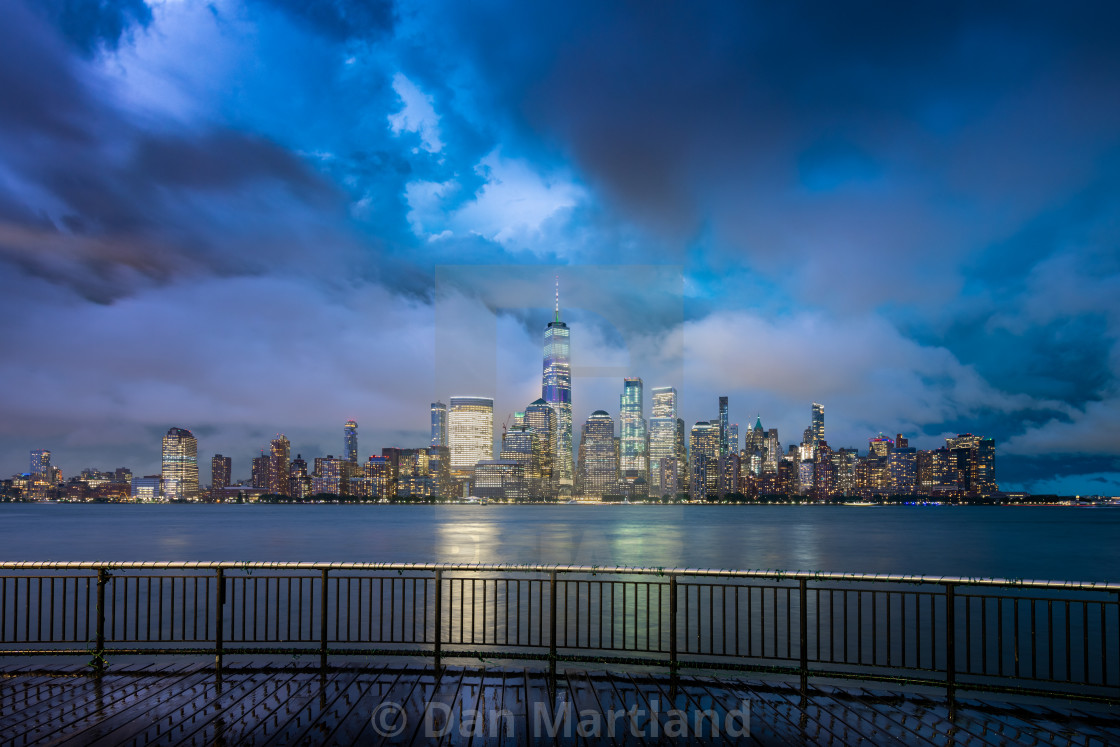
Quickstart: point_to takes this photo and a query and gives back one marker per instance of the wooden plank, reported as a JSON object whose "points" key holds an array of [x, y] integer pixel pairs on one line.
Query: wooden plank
{"points": [[927, 719], [389, 700], [630, 701], [164, 711], [765, 716], [238, 704], [86, 700], [829, 727], [16, 686], [464, 709], [691, 697], [75, 691], [843, 713], [584, 699], [486, 729], [308, 720], [539, 705], [293, 698], [446, 690]]}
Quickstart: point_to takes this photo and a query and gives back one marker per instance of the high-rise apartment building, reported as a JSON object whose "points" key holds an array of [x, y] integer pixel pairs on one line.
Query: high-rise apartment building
{"points": [[541, 419], [299, 482], [733, 439], [556, 390], [634, 459], [40, 463], [470, 431], [439, 424], [817, 428], [279, 453], [350, 441], [180, 465], [221, 471], [662, 437], [704, 460], [723, 423], [598, 456]]}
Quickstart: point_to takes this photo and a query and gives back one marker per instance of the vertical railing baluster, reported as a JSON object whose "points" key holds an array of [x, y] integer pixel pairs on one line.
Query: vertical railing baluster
{"points": [[323, 620], [552, 624], [802, 603], [219, 618], [99, 646], [950, 641], [673, 626], [439, 616]]}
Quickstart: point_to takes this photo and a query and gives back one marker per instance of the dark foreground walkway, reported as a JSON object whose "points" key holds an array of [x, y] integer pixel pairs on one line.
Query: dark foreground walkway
{"points": [[189, 703]]}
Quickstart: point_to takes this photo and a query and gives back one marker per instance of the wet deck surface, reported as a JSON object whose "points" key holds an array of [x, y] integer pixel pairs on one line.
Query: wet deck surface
{"points": [[181, 703]]}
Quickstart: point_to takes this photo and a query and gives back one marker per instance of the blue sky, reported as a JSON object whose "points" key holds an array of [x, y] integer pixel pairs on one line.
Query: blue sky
{"points": [[245, 217]]}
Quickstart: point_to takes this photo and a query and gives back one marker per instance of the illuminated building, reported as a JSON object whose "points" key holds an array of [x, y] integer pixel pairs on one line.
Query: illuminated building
{"points": [[723, 440], [261, 467], [470, 431], [541, 419], [327, 477], [598, 457], [733, 439], [634, 456], [221, 469], [180, 465], [379, 476], [903, 467], [146, 489], [41, 478], [662, 438], [703, 460], [521, 444], [40, 462], [350, 435], [299, 482], [280, 451], [556, 390], [439, 424], [879, 446], [500, 480], [728, 473], [817, 427]]}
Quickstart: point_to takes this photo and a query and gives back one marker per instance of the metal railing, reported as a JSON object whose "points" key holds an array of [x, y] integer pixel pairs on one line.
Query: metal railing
{"points": [[994, 634]]}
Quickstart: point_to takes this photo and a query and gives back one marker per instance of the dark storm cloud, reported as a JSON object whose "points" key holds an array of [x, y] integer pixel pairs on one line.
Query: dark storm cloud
{"points": [[100, 203], [93, 24], [341, 19]]}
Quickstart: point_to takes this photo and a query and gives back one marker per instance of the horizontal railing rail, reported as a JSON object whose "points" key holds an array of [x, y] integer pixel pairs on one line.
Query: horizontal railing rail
{"points": [[959, 632]]}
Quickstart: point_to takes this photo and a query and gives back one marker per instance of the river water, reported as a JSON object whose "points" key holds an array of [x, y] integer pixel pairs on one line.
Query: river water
{"points": [[1012, 542]]}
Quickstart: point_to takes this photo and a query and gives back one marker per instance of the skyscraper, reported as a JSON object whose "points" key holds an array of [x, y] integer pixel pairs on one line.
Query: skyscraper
{"points": [[662, 436], [634, 460], [704, 460], [180, 465], [542, 420], [556, 390], [598, 459], [723, 445], [439, 424], [470, 431], [40, 463], [817, 428], [350, 431], [221, 469], [279, 453]]}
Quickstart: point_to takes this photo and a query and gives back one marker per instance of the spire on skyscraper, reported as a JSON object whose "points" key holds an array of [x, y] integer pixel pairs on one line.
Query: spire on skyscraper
{"points": [[557, 298]]}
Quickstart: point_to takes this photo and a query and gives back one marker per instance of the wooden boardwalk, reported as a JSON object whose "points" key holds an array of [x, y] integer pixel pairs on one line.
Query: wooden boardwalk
{"points": [[190, 703]]}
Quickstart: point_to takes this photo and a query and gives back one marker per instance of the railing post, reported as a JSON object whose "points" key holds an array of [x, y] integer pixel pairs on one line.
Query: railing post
{"points": [[99, 645], [323, 621], [673, 626], [439, 615], [950, 641], [552, 624], [220, 620], [803, 605]]}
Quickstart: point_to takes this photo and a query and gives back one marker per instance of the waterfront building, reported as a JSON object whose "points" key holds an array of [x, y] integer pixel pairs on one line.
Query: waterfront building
{"points": [[903, 467], [556, 390], [522, 445], [350, 441], [662, 436], [824, 473], [598, 456], [541, 419], [733, 438], [221, 471], [180, 465], [500, 480], [729, 473], [844, 467], [148, 489], [439, 424], [40, 463], [299, 482], [280, 451], [634, 456], [723, 440], [327, 477], [259, 475], [879, 446], [773, 449], [470, 431], [379, 478], [703, 460]]}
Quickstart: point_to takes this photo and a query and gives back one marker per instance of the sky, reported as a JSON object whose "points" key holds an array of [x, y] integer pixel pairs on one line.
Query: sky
{"points": [[246, 217]]}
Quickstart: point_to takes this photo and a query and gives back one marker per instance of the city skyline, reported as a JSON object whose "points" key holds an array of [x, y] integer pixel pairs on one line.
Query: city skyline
{"points": [[250, 217]]}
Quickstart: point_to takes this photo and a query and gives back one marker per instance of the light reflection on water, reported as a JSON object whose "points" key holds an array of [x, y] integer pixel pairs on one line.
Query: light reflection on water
{"points": [[1059, 543]]}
